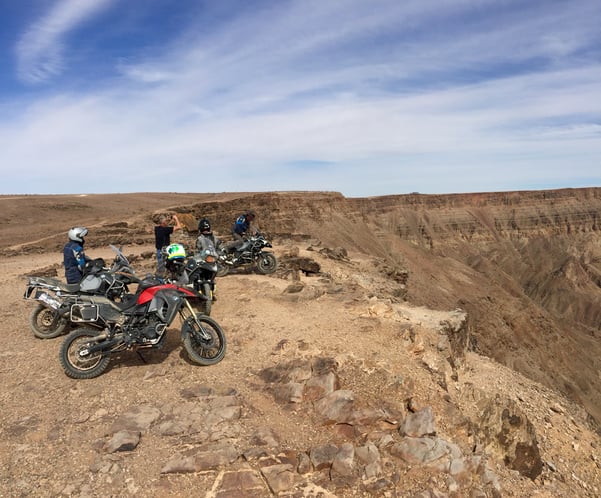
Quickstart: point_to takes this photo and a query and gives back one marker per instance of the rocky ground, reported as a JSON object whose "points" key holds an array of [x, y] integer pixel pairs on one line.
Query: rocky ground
{"points": [[325, 390]]}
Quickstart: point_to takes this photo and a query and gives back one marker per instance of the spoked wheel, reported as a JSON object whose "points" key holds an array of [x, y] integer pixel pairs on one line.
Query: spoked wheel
{"points": [[43, 324], [267, 263], [204, 346], [77, 362]]}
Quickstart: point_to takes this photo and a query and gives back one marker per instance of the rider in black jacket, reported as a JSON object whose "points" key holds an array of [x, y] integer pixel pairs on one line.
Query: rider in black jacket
{"points": [[162, 238], [206, 236]]}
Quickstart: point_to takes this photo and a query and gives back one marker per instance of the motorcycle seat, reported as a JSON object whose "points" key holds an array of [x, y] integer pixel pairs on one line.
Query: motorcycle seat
{"points": [[70, 288], [130, 300]]}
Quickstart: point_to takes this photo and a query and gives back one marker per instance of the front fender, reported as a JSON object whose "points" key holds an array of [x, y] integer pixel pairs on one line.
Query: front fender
{"points": [[191, 326], [260, 254]]}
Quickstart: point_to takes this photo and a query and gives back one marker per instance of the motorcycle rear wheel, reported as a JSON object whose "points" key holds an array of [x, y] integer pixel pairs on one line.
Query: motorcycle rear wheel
{"points": [[200, 351], [267, 263], [82, 367], [222, 270], [41, 320]]}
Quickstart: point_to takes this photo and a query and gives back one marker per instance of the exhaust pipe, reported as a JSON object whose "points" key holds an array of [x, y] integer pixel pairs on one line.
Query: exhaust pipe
{"points": [[95, 348]]}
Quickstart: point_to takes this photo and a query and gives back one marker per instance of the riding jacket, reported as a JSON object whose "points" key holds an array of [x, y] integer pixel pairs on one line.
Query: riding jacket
{"points": [[74, 261], [241, 225]]}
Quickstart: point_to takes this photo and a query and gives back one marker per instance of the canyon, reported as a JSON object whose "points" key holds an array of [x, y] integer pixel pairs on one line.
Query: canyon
{"points": [[520, 273]]}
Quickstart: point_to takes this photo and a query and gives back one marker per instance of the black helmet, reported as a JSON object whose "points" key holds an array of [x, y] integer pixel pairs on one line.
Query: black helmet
{"points": [[204, 226]]}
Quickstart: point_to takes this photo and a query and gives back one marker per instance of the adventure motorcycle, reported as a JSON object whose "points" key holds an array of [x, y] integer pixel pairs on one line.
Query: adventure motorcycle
{"points": [[198, 271], [249, 253], [140, 322], [56, 299]]}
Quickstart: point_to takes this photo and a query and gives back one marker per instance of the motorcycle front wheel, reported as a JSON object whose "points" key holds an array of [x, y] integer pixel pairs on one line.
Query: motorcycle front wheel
{"points": [[75, 362], [206, 347], [267, 263], [42, 320], [206, 291]]}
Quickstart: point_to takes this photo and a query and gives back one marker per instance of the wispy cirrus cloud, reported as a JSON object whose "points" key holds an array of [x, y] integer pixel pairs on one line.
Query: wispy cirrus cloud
{"points": [[40, 50], [420, 95]]}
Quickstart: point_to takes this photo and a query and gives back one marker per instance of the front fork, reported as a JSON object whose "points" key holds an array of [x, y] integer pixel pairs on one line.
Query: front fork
{"points": [[199, 330]]}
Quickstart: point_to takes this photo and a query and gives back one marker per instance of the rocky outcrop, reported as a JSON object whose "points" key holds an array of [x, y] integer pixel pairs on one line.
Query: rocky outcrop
{"points": [[505, 431], [525, 265], [367, 451]]}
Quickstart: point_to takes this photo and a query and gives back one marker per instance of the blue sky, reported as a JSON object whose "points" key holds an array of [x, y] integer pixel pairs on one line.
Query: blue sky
{"points": [[363, 97]]}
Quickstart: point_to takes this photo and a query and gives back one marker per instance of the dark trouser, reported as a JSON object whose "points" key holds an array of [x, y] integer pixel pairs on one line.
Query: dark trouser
{"points": [[234, 244], [160, 262]]}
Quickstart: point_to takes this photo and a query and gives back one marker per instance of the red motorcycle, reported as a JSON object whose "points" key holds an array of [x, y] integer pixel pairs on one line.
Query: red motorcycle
{"points": [[140, 322]]}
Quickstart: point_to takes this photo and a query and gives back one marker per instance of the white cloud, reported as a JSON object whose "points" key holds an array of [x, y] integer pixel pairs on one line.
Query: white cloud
{"points": [[232, 107], [40, 49]]}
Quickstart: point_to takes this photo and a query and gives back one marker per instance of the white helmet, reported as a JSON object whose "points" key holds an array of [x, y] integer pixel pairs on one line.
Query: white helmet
{"points": [[78, 233]]}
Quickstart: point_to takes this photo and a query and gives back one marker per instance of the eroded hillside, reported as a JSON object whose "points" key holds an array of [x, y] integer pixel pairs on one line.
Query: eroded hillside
{"points": [[526, 266], [370, 378]]}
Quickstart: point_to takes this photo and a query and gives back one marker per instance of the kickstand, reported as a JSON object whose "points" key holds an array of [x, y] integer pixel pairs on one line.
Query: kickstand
{"points": [[141, 357]]}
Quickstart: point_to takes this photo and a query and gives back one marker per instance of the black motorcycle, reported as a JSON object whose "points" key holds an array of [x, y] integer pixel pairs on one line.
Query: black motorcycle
{"points": [[198, 271], [54, 311], [140, 322], [250, 253]]}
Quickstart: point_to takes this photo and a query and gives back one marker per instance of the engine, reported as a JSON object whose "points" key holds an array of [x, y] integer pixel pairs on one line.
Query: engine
{"points": [[144, 329]]}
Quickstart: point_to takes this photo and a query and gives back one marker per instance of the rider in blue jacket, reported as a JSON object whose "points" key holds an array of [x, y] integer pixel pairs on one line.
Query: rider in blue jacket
{"points": [[74, 258], [242, 225]]}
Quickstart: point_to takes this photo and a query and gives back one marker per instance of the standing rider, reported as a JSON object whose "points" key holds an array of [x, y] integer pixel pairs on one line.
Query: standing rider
{"points": [[74, 258], [162, 238]]}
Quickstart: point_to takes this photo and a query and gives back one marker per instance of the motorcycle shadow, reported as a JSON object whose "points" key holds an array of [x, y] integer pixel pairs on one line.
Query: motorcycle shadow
{"points": [[146, 357], [241, 270]]}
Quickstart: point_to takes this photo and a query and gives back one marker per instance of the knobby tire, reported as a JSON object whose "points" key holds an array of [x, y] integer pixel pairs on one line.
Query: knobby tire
{"points": [[41, 323], [267, 263], [78, 367], [198, 350], [206, 291]]}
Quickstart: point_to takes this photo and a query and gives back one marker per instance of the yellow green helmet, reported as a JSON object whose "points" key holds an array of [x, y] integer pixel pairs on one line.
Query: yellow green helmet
{"points": [[175, 251]]}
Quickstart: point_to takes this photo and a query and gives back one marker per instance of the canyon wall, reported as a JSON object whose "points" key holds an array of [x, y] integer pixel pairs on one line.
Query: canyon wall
{"points": [[525, 265]]}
